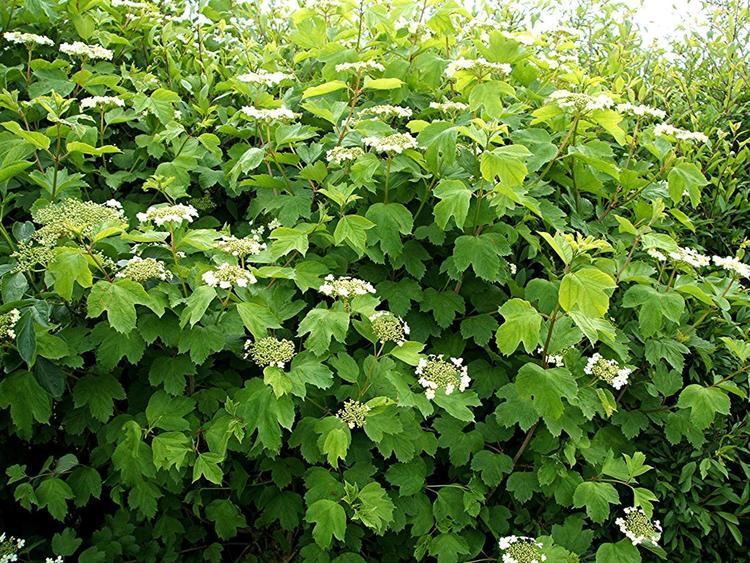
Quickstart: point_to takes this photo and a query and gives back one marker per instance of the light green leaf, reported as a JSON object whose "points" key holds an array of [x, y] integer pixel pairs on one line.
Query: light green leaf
{"points": [[522, 324]]}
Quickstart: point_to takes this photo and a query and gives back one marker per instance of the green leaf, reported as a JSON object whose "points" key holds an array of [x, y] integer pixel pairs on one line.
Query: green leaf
{"points": [[334, 439], [11, 170], [546, 388], [655, 306], [329, 520], [382, 83], [704, 403], [522, 324], [54, 494], [686, 177], [98, 393], [507, 164], [85, 148], [322, 325], [196, 305], [408, 352], [454, 201], [207, 465], [390, 221], [118, 299], [371, 506], [67, 268], [250, 160], [481, 252], [27, 400], [257, 318], [265, 413], [491, 466], [585, 291], [226, 517], [458, 404], [621, 552], [322, 89], [352, 229], [34, 138], [596, 497]]}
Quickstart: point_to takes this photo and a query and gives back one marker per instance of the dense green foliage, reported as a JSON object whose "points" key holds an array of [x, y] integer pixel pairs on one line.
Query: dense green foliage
{"points": [[370, 283]]}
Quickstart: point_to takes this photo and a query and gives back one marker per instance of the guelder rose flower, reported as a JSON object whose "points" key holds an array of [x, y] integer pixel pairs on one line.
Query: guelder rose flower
{"points": [[161, 214], [345, 287], [608, 371], [263, 77], [8, 323], [396, 143], [269, 115], [665, 129], [270, 351], [435, 374], [565, 99], [353, 413], [478, 67], [101, 101], [389, 328], [339, 155], [362, 66], [227, 276], [641, 110], [638, 527], [27, 38], [87, 51], [521, 549]]}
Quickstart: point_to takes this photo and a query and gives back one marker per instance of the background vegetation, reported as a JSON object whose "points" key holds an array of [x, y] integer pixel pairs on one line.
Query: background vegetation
{"points": [[188, 374]]}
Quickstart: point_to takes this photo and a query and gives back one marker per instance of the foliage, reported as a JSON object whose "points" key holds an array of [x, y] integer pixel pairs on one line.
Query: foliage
{"points": [[367, 282]]}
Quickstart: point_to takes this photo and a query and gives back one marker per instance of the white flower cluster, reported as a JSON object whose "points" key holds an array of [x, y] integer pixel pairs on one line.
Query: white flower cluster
{"points": [[396, 143], [9, 548], [435, 373], [608, 371], [270, 351], [262, 76], [339, 155], [566, 99], [103, 101], [732, 264], [414, 27], [389, 328], [641, 110], [353, 413], [665, 129], [345, 287], [8, 323], [521, 549], [449, 106], [638, 528], [57, 559], [269, 115], [88, 51], [128, 4], [227, 275], [478, 67], [27, 38], [359, 67], [657, 254], [242, 247], [386, 111], [161, 214], [690, 256], [552, 359]]}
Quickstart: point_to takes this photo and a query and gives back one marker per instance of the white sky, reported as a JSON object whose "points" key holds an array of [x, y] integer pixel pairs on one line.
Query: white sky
{"points": [[661, 18]]}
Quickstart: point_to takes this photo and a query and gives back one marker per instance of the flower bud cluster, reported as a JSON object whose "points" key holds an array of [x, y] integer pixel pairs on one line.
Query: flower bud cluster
{"points": [[437, 374], [241, 247], [353, 413], [339, 155], [387, 111], [449, 106], [9, 548], [396, 143], [521, 549], [72, 217], [389, 328], [142, 270], [608, 371], [270, 351], [8, 324], [161, 214], [579, 101], [269, 115], [638, 527]]}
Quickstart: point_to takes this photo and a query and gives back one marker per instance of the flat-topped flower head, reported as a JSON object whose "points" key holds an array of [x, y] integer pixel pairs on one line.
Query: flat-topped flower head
{"points": [[339, 155], [241, 247], [477, 67], [667, 130], [353, 413], [392, 144], [270, 351], [269, 115], [28, 39], [638, 527], [101, 102], [345, 287], [144, 269], [161, 214], [578, 101], [436, 374], [87, 51], [641, 110], [360, 67], [657, 254], [72, 217], [227, 276], [449, 107], [608, 371], [10, 547], [8, 323], [387, 111], [690, 256], [389, 328], [264, 78], [732, 264], [521, 549]]}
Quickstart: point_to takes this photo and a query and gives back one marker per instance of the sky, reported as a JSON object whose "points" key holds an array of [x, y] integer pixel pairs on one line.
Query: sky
{"points": [[659, 18]]}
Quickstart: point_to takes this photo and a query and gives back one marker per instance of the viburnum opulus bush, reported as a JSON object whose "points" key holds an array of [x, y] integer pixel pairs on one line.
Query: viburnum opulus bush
{"points": [[361, 282]]}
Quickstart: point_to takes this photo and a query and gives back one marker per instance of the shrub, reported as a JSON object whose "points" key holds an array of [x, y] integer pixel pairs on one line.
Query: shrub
{"points": [[353, 283]]}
